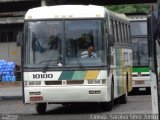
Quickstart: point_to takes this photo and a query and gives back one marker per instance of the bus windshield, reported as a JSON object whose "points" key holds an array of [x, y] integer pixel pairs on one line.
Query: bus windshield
{"points": [[63, 42], [139, 43], [138, 27], [140, 52]]}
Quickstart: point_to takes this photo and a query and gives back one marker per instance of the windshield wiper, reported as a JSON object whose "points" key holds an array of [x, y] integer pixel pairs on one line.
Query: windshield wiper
{"points": [[78, 61], [44, 69]]}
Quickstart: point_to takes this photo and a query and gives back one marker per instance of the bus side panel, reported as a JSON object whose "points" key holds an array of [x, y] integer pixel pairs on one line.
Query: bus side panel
{"points": [[123, 66]]}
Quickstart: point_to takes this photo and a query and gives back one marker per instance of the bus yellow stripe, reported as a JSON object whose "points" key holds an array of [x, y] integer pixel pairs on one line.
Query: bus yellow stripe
{"points": [[92, 75]]}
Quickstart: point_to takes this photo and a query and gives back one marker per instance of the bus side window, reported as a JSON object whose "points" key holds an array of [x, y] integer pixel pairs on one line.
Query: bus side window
{"points": [[116, 31]]}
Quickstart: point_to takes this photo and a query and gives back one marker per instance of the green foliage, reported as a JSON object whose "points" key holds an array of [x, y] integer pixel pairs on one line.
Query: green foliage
{"points": [[143, 8]]}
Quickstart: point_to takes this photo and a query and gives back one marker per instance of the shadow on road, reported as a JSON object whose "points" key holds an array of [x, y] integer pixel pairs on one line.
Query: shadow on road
{"points": [[77, 108], [137, 92]]}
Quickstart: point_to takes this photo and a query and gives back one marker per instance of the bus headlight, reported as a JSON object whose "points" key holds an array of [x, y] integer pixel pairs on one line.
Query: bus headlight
{"points": [[94, 81], [34, 82], [99, 82]]}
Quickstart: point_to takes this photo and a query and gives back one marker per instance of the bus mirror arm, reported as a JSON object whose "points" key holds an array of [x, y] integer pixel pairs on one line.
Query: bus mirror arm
{"points": [[158, 39], [151, 64], [111, 40], [19, 39]]}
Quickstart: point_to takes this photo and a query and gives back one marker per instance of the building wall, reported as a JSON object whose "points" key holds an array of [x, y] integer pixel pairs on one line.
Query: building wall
{"points": [[11, 22], [10, 52]]}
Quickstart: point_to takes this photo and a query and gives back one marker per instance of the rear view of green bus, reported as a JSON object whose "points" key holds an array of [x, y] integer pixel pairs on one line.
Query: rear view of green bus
{"points": [[140, 71]]}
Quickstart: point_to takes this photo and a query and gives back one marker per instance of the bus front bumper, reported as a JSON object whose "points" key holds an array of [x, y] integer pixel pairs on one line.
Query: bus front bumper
{"points": [[66, 94], [138, 82]]}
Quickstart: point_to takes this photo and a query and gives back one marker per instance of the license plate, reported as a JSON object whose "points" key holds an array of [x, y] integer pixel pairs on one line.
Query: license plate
{"points": [[142, 89], [139, 82]]}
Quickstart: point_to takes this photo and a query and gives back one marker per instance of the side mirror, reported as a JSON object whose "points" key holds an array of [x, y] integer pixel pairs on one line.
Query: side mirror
{"points": [[19, 39], [111, 40], [158, 36]]}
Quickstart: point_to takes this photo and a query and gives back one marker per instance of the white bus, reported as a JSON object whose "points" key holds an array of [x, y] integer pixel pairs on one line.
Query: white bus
{"points": [[53, 70], [139, 39]]}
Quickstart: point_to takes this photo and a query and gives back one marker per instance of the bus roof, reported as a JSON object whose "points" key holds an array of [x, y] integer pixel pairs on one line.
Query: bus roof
{"points": [[137, 17], [68, 11]]}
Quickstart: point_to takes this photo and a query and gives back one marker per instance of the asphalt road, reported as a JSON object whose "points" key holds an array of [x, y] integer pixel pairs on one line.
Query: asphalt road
{"points": [[16, 110]]}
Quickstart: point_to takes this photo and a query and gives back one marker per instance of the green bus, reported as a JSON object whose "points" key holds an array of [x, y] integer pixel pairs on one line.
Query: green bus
{"points": [[140, 71]]}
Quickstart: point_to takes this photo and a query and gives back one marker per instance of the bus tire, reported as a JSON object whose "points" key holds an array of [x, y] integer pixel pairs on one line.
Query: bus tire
{"points": [[41, 108], [123, 98], [107, 106]]}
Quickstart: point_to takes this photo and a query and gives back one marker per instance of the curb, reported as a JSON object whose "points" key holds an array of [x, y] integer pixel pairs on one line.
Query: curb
{"points": [[11, 84], [10, 87], [2, 98]]}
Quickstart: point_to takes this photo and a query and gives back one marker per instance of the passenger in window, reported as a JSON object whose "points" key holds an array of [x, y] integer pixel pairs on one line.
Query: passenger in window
{"points": [[89, 52]]}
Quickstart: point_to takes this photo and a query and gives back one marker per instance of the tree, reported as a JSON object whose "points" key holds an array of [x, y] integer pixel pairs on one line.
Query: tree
{"points": [[137, 8]]}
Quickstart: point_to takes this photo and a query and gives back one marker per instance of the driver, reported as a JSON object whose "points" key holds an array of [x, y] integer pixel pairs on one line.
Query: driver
{"points": [[89, 52]]}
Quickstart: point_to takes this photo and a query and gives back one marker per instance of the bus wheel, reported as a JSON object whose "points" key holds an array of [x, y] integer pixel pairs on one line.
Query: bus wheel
{"points": [[123, 98], [41, 108], [107, 106]]}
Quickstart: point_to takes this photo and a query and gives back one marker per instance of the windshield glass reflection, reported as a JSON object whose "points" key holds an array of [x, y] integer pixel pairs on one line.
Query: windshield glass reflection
{"points": [[65, 43], [85, 42], [140, 51], [45, 42]]}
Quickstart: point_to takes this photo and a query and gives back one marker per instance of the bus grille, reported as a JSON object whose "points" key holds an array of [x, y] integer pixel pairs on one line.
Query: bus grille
{"points": [[53, 82], [69, 82]]}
